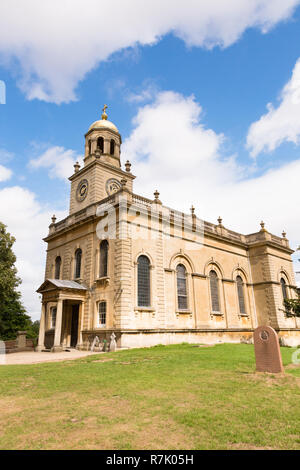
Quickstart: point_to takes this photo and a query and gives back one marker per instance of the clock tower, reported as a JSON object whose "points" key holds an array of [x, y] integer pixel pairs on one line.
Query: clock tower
{"points": [[101, 174]]}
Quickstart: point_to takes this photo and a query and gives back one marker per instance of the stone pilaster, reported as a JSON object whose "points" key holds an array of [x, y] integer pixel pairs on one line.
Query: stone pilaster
{"points": [[41, 341]]}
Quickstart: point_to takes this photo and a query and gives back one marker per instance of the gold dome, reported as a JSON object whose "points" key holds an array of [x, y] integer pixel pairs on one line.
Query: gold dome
{"points": [[103, 122]]}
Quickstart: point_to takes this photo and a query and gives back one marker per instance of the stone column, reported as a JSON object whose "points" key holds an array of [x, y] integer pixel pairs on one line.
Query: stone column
{"points": [[57, 347], [41, 342], [80, 323]]}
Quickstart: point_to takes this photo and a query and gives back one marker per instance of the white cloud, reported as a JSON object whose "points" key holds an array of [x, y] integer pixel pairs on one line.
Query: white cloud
{"points": [[5, 173], [172, 151], [58, 160], [42, 36], [278, 124], [147, 93], [28, 222]]}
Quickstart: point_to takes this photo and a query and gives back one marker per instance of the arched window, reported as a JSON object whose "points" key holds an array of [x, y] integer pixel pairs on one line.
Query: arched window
{"points": [[214, 291], [78, 256], [103, 258], [240, 291], [143, 281], [90, 147], [100, 144], [57, 267], [112, 147], [181, 287], [283, 289]]}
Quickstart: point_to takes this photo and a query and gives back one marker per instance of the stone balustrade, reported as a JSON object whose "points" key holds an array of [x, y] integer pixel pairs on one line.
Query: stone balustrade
{"points": [[170, 214]]}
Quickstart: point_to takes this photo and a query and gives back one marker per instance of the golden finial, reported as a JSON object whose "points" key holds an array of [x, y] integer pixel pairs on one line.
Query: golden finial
{"points": [[104, 115]]}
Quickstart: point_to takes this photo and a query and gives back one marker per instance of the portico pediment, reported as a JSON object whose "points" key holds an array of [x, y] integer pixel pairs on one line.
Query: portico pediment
{"points": [[60, 285]]}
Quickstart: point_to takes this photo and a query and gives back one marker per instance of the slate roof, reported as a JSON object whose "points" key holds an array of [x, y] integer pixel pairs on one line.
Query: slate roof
{"points": [[62, 284]]}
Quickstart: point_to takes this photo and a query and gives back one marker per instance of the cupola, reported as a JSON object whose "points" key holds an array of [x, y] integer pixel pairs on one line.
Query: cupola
{"points": [[103, 141]]}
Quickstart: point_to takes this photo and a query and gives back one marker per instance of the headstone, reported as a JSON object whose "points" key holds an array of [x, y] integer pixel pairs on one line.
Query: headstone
{"points": [[95, 343], [267, 350], [113, 344]]}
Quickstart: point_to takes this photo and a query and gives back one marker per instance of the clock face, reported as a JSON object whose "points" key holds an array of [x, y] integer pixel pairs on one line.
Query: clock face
{"points": [[82, 190], [112, 185]]}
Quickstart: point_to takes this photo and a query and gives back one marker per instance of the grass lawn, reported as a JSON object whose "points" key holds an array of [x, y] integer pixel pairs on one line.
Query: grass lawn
{"points": [[165, 397]]}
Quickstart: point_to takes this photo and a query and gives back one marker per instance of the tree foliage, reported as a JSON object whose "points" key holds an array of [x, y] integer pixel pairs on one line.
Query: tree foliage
{"points": [[12, 312], [292, 306]]}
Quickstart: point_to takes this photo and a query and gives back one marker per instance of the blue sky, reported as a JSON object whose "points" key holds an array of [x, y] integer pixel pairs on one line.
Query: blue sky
{"points": [[197, 74]]}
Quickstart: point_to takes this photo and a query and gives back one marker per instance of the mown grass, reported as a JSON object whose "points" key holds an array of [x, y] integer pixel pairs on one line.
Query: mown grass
{"points": [[165, 397]]}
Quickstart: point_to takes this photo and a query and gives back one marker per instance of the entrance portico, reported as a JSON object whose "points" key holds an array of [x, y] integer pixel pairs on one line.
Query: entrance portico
{"points": [[62, 314]]}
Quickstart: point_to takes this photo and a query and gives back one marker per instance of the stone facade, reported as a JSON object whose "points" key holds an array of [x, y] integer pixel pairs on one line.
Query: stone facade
{"points": [[103, 206]]}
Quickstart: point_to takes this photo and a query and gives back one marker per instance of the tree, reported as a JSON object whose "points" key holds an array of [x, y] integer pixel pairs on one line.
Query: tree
{"points": [[292, 306], [12, 312], [33, 330]]}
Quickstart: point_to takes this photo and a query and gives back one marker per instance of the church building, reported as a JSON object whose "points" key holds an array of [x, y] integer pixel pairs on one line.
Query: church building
{"points": [[125, 264]]}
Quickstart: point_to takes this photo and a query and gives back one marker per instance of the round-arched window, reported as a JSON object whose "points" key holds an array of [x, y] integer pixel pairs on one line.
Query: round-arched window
{"points": [[100, 144], [103, 258], [78, 256], [143, 281], [214, 291], [57, 267], [283, 289], [182, 298], [240, 291]]}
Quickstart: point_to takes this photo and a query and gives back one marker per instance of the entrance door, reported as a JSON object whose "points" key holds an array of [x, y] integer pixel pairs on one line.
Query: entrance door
{"points": [[74, 325]]}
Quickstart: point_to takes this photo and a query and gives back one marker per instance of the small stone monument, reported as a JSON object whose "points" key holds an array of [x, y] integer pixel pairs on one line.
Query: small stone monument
{"points": [[95, 343], [21, 339], [267, 351], [113, 344]]}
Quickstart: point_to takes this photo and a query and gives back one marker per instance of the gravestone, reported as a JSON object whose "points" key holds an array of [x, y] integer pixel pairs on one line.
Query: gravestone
{"points": [[95, 343], [267, 350], [113, 344]]}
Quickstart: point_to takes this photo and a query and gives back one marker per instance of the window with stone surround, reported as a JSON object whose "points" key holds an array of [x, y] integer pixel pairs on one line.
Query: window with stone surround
{"points": [[143, 280], [214, 291], [241, 297], [182, 298], [57, 267], [78, 256], [112, 147], [102, 313], [100, 144], [103, 258], [283, 289]]}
